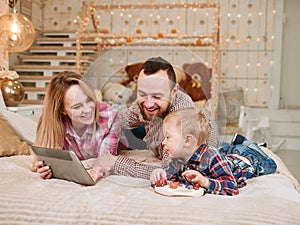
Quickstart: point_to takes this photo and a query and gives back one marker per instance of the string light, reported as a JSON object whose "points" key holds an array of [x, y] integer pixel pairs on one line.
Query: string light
{"points": [[155, 20]]}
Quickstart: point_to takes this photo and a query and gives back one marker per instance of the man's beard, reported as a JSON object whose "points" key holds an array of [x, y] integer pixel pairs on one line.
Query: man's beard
{"points": [[161, 115]]}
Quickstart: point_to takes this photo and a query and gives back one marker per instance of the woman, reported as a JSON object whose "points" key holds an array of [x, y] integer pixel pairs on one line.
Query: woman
{"points": [[72, 119]]}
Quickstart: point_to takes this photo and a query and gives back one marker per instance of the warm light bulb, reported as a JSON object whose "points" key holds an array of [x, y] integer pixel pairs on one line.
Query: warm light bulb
{"points": [[14, 37], [16, 32], [14, 27]]}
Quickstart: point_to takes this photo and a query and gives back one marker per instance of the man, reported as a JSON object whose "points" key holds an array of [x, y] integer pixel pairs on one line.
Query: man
{"points": [[157, 95]]}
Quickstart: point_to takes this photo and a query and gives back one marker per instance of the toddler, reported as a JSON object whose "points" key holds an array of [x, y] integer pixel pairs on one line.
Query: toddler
{"points": [[195, 161]]}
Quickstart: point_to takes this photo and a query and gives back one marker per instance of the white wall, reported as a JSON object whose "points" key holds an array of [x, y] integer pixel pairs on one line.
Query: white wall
{"points": [[250, 42], [3, 52], [290, 77]]}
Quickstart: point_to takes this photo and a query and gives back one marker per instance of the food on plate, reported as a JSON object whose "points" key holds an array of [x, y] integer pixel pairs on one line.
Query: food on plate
{"points": [[161, 183], [171, 188]]}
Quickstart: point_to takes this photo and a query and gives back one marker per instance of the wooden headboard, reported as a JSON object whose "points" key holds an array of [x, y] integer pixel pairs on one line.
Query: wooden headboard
{"points": [[126, 33]]}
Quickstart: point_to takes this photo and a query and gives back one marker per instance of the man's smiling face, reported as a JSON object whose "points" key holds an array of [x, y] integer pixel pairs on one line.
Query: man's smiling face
{"points": [[154, 94]]}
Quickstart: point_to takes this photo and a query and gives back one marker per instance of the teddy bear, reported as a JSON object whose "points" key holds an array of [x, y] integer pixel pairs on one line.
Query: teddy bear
{"points": [[116, 95], [197, 81], [132, 71]]}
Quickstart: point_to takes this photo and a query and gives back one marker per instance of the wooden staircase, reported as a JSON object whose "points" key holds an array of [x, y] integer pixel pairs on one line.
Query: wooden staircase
{"points": [[50, 54]]}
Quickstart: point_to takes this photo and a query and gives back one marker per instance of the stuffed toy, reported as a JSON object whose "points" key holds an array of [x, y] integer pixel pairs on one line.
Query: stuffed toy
{"points": [[116, 95], [197, 81], [132, 72]]}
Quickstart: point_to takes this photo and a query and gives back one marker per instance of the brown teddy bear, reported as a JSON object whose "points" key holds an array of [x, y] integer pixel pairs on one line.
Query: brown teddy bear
{"points": [[132, 72], [197, 81]]}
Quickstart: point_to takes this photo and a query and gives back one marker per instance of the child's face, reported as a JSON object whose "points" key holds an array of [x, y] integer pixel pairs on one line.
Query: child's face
{"points": [[174, 141]]}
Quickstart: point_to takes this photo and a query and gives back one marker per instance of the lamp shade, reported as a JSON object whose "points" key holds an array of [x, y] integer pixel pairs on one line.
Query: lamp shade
{"points": [[16, 32]]}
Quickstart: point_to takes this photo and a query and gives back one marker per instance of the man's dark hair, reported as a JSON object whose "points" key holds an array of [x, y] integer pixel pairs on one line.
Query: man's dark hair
{"points": [[154, 64]]}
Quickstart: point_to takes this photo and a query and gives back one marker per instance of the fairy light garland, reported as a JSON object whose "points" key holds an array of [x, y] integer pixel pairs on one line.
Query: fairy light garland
{"points": [[147, 27]]}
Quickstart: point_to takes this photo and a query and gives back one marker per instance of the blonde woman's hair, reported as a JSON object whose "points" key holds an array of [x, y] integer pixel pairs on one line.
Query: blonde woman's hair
{"points": [[50, 129], [191, 121]]}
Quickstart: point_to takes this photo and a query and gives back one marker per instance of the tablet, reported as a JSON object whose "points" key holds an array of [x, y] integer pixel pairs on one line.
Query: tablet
{"points": [[64, 165]]}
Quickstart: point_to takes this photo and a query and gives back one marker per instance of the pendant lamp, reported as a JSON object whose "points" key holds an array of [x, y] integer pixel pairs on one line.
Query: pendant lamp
{"points": [[16, 31]]}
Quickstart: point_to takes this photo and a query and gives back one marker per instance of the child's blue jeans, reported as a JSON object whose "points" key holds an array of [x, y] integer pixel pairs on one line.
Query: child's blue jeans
{"points": [[260, 161]]}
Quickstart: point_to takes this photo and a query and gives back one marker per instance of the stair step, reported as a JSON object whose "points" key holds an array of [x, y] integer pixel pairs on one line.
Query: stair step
{"points": [[34, 95], [55, 33], [62, 50], [29, 68], [35, 89], [44, 70], [32, 102], [33, 78], [63, 41], [35, 81], [54, 60]]}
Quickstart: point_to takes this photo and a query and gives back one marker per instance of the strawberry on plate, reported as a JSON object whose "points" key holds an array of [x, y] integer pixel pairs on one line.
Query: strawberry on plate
{"points": [[171, 188], [161, 183]]}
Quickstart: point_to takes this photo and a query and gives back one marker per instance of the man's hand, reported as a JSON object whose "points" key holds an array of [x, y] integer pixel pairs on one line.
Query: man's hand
{"points": [[102, 166]]}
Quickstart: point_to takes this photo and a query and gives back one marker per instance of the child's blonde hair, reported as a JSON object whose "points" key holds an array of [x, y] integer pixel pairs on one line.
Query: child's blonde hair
{"points": [[191, 121]]}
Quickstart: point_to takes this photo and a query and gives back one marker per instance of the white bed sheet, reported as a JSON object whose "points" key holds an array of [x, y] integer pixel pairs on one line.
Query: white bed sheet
{"points": [[27, 199]]}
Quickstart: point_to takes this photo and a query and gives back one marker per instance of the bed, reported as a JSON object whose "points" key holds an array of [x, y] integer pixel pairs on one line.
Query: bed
{"points": [[27, 199]]}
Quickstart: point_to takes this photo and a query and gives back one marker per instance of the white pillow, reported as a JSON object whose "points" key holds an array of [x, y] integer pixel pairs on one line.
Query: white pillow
{"points": [[2, 103], [24, 127]]}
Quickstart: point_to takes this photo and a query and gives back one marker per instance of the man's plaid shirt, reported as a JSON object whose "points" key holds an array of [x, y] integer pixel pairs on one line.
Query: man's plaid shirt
{"points": [[132, 117]]}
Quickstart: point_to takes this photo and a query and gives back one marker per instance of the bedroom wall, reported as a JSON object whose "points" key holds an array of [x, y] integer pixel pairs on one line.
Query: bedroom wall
{"points": [[290, 78], [3, 52], [250, 39]]}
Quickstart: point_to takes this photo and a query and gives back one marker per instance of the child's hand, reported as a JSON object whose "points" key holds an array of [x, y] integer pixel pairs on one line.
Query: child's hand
{"points": [[157, 175], [196, 177]]}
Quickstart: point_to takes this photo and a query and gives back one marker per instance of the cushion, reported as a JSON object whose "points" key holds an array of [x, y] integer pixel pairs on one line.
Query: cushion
{"points": [[24, 127], [10, 143], [2, 103]]}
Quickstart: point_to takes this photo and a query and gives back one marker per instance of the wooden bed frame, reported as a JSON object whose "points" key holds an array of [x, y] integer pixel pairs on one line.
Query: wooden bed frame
{"points": [[89, 29]]}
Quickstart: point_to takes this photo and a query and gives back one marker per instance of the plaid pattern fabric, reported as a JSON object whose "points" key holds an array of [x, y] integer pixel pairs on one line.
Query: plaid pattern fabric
{"points": [[132, 118], [226, 173], [105, 139]]}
